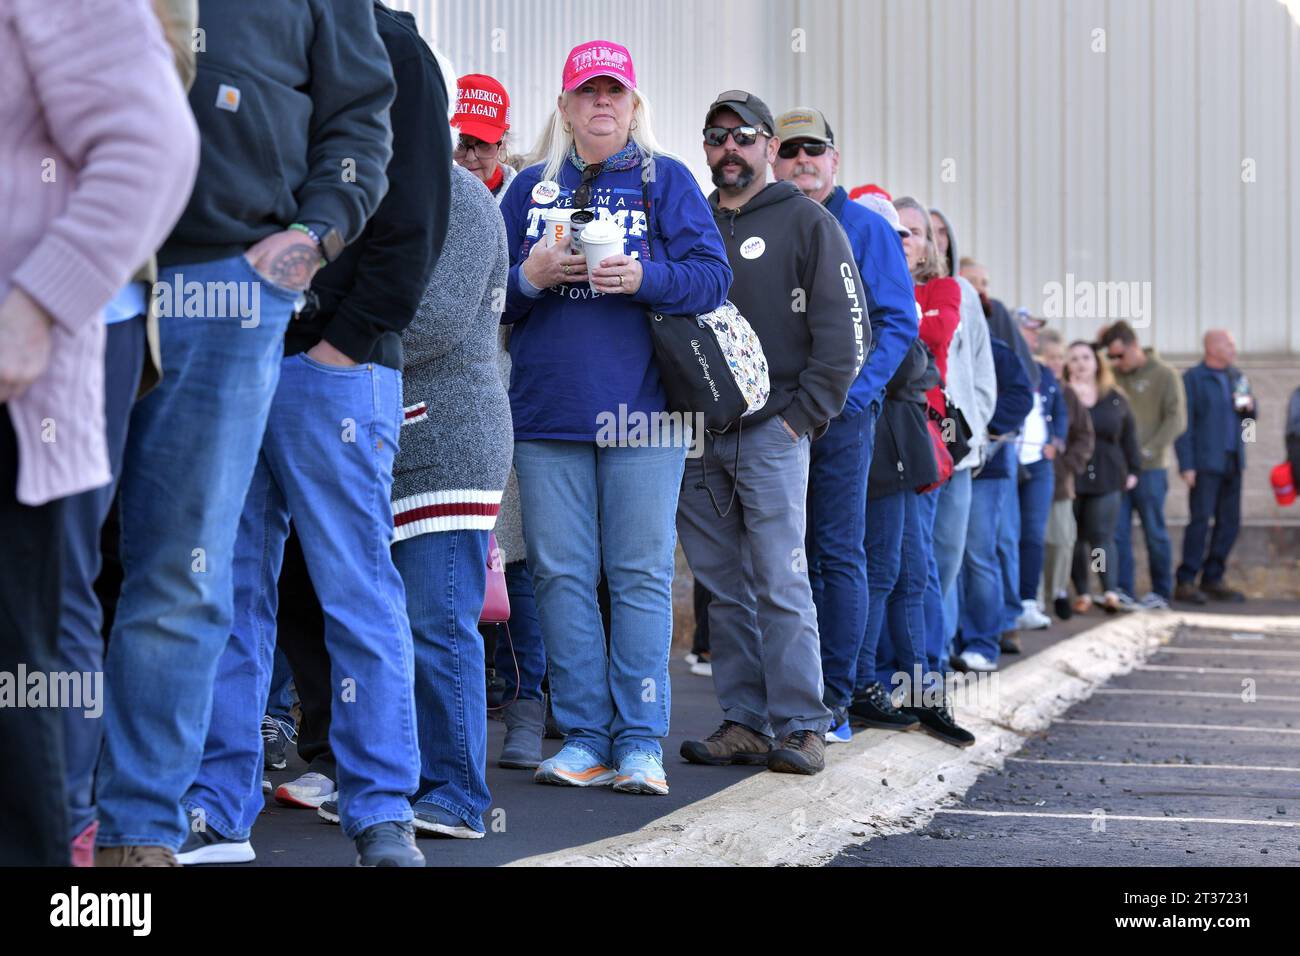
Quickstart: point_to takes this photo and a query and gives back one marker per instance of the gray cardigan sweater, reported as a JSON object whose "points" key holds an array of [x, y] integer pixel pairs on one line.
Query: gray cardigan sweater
{"points": [[456, 440]]}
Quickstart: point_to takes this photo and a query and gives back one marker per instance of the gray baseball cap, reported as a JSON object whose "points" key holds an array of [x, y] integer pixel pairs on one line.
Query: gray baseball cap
{"points": [[745, 105]]}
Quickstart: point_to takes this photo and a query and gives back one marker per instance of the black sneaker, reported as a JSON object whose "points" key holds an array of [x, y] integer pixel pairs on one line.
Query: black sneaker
{"points": [[1218, 591], [329, 811], [388, 844], [873, 708], [275, 741], [209, 846], [800, 751], [1061, 605], [1189, 593], [1009, 642], [937, 721]]}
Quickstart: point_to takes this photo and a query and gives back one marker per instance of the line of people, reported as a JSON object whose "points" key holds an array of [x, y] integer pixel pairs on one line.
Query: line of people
{"points": [[380, 343]]}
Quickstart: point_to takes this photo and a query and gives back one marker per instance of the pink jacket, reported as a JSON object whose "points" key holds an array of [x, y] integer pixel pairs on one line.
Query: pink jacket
{"points": [[98, 152]]}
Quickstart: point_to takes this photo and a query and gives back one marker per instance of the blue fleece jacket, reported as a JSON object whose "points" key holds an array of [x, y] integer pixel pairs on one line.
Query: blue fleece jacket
{"points": [[577, 354], [1054, 409], [891, 301]]}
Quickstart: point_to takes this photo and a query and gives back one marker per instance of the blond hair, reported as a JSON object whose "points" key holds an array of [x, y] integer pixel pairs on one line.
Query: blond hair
{"points": [[1105, 377], [553, 145], [933, 266]]}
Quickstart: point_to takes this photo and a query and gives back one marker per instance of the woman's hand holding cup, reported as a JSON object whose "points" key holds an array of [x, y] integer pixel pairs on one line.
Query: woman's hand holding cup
{"points": [[617, 274], [550, 265]]}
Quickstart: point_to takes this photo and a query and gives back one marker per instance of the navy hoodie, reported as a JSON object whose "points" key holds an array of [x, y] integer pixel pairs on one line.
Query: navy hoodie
{"points": [[577, 354], [1015, 400]]}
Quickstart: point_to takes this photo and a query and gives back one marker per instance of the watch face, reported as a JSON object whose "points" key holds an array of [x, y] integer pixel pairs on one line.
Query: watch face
{"points": [[331, 244]]}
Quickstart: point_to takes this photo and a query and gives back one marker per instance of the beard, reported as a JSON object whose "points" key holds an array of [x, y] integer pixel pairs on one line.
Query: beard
{"points": [[743, 178]]}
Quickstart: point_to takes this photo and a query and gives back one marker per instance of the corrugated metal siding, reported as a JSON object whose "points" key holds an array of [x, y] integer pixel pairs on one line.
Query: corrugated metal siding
{"points": [[1116, 165]]}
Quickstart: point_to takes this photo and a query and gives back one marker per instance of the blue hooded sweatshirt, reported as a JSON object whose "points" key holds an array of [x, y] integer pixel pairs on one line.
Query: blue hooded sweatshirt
{"points": [[576, 354], [1015, 400], [891, 300]]}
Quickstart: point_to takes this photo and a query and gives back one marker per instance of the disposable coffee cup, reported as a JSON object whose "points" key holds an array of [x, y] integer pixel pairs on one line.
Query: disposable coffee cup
{"points": [[600, 240], [556, 223], [578, 222]]}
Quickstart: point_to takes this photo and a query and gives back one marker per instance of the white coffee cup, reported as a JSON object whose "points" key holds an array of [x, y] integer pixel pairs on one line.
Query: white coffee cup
{"points": [[600, 240], [555, 226]]}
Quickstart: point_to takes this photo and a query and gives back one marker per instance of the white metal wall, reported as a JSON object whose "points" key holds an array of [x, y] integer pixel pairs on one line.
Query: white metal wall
{"points": [[1125, 164]]}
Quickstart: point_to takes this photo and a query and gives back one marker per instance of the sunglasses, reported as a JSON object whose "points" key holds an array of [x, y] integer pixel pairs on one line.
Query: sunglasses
{"points": [[791, 150], [482, 150], [582, 195], [742, 135]]}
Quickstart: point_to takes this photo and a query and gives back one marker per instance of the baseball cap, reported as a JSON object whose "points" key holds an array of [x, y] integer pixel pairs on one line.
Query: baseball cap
{"points": [[1027, 319], [745, 105], [598, 58], [482, 107], [880, 202], [804, 122]]}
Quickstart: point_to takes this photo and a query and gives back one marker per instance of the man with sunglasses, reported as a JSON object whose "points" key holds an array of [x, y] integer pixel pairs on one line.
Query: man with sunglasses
{"points": [[796, 282], [841, 459], [1155, 393]]}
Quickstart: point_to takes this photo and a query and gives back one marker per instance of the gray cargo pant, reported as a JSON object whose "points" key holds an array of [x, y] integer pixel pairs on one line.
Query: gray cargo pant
{"points": [[767, 668]]}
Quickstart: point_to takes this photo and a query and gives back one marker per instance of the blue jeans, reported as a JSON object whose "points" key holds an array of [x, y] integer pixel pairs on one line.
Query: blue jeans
{"points": [[335, 482], [1216, 495], [81, 640], [1009, 548], [1148, 500], [279, 700], [983, 599], [445, 573], [952, 516], [583, 503], [898, 571], [836, 546], [190, 456], [935, 655], [520, 658], [1035, 503]]}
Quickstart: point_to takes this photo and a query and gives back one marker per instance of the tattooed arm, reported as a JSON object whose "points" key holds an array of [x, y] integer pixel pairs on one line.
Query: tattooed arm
{"points": [[288, 259]]}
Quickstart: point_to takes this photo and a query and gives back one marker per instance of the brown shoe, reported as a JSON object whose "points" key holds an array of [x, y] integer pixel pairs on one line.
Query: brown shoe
{"points": [[134, 856], [1219, 591], [730, 743], [800, 751], [1189, 593], [1009, 642]]}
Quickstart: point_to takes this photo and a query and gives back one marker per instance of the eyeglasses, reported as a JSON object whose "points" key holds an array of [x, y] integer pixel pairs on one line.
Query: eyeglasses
{"points": [[791, 150], [742, 135], [482, 150], [582, 195]]}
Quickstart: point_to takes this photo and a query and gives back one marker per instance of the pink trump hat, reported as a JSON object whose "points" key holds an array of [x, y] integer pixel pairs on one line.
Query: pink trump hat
{"points": [[598, 58]]}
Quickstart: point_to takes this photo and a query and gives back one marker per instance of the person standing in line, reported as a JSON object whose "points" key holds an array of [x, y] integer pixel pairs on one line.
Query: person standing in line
{"points": [[482, 123], [97, 154], [1112, 470], [971, 393], [260, 222], [1155, 393], [1061, 530], [582, 352], [798, 285], [841, 459], [1211, 460]]}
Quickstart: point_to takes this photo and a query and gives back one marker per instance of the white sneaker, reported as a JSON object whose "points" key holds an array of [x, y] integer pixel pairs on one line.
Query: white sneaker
{"points": [[975, 661], [1031, 618], [310, 791], [703, 668]]}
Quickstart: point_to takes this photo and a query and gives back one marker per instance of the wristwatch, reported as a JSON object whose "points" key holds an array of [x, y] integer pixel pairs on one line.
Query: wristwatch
{"points": [[328, 239]]}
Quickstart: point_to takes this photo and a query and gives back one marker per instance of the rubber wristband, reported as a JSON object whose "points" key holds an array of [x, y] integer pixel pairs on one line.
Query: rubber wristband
{"points": [[311, 234]]}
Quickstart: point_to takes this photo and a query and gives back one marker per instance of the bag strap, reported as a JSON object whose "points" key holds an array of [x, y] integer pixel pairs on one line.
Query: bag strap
{"points": [[704, 465], [647, 168]]}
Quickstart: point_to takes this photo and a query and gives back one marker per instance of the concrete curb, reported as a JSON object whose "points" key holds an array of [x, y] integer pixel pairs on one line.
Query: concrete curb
{"points": [[884, 783]]}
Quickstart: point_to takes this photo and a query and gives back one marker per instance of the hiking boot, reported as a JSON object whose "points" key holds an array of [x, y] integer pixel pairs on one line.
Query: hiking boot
{"points": [[730, 743], [937, 721], [135, 856], [209, 846], [873, 708], [800, 751], [1218, 591], [388, 844], [1189, 593], [525, 724]]}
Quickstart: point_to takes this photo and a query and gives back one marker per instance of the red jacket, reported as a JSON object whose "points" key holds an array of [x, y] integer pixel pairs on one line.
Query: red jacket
{"points": [[940, 302]]}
